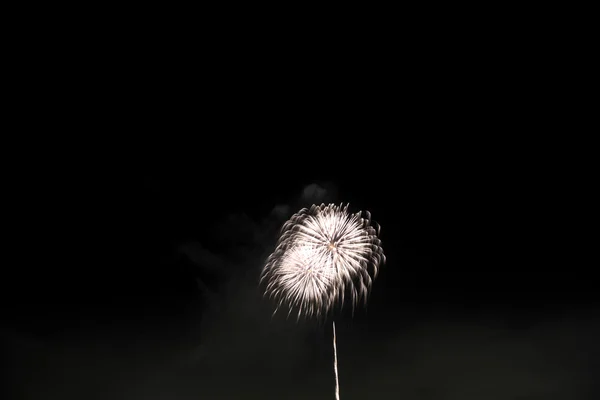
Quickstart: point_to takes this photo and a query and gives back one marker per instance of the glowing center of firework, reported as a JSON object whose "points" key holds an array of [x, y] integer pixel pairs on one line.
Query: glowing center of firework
{"points": [[332, 246]]}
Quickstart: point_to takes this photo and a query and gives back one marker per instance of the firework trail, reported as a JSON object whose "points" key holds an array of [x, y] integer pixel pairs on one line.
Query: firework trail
{"points": [[322, 254]]}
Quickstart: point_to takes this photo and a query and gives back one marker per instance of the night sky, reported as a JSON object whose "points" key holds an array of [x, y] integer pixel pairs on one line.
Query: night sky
{"points": [[138, 279]]}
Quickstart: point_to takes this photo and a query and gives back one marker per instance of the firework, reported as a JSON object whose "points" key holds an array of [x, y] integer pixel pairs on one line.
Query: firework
{"points": [[323, 253]]}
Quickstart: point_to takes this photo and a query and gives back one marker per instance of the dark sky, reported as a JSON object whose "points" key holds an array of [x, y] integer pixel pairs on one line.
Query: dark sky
{"points": [[131, 265], [143, 281]]}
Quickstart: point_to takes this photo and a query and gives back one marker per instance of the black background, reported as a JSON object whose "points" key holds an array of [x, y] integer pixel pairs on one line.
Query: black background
{"points": [[138, 238]]}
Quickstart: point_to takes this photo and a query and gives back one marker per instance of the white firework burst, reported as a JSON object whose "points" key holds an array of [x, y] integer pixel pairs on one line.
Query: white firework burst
{"points": [[323, 252]]}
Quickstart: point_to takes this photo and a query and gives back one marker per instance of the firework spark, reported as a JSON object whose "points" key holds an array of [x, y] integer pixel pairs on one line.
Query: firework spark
{"points": [[323, 253]]}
